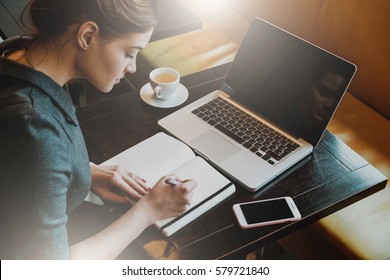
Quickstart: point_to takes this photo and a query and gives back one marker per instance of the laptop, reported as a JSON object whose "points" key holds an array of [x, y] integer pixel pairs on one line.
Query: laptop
{"points": [[270, 111]]}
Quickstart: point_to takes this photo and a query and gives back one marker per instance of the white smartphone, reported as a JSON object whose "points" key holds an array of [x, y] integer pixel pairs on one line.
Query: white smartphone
{"points": [[266, 212]]}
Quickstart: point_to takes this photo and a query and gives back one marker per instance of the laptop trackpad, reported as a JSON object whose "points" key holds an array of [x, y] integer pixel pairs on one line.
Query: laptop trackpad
{"points": [[214, 146]]}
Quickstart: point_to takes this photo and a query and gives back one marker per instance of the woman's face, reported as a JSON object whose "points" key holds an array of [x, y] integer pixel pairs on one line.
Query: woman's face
{"points": [[104, 63], [324, 94]]}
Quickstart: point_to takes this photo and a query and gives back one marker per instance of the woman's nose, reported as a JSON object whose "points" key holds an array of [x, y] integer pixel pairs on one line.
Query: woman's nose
{"points": [[130, 68]]}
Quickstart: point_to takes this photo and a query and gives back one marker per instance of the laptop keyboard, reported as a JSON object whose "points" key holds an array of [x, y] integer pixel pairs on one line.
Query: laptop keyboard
{"points": [[250, 132]]}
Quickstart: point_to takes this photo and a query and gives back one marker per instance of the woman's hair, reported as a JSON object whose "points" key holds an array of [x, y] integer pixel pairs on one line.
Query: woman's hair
{"points": [[115, 18]]}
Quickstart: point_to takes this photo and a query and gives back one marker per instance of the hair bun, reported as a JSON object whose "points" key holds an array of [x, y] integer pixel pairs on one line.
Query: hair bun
{"points": [[52, 17]]}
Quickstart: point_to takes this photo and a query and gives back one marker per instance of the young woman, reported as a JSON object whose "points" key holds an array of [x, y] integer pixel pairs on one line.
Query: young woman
{"points": [[44, 168]]}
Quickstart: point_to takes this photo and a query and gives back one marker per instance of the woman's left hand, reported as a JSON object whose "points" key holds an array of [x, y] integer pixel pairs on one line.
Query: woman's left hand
{"points": [[116, 184]]}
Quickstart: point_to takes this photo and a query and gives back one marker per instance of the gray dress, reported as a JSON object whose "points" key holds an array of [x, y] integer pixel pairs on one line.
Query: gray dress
{"points": [[44, 166]]}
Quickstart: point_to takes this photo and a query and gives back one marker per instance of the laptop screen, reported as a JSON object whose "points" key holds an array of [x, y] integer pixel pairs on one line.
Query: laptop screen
{"points": [[288, 81]]}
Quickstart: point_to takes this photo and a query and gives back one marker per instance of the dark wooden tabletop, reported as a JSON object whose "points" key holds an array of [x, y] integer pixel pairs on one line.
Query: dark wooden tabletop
{"points": [[333, 177]]}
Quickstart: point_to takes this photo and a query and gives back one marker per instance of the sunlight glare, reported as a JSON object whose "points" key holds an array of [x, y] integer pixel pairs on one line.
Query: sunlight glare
{"points": [[209, 5]]}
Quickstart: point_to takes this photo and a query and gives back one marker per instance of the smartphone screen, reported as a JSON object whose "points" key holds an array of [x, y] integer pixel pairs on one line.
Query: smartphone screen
{"points": [[266, 212]]}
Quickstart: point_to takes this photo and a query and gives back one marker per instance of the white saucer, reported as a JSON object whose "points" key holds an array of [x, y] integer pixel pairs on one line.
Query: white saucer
{"points": [[180, 96]]}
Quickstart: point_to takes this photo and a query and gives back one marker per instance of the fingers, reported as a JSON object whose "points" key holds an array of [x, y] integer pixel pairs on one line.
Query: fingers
{"points": [[168, 199], [184, 192], [116, 184], [126, 187], [126, 191], [135, 185], [190, 184], [118, 197], [131, 190], [142, 182]]}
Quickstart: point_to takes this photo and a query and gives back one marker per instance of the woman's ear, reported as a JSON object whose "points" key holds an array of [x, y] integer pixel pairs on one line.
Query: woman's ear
{"points": [[87, 34]]}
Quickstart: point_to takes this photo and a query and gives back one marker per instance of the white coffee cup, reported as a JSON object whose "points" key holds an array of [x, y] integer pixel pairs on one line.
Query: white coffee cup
{"points": [[164, 81]]}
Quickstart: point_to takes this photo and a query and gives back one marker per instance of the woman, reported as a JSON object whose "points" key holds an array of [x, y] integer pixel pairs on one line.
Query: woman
{"points": [[45, 173]]}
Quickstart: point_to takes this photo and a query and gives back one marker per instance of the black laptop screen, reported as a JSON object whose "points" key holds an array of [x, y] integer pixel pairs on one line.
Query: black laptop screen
{"points": [[287, 80]]}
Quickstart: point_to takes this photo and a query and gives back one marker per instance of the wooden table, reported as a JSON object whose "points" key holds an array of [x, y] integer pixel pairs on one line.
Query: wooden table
{"points": [[333, 177], [173, 19]]}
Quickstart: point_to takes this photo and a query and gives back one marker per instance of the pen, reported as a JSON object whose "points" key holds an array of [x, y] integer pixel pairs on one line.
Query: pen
{"points": [[172, 182]]}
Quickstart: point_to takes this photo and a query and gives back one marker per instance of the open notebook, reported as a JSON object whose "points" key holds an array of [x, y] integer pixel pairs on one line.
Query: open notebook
{"points": [[162, 155]]}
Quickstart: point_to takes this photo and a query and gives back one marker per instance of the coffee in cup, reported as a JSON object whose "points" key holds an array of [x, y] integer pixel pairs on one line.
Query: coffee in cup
{"points": [[164, 81]]}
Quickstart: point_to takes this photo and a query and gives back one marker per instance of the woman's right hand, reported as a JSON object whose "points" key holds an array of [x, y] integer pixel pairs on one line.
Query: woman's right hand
{"points": [[165, 201]]}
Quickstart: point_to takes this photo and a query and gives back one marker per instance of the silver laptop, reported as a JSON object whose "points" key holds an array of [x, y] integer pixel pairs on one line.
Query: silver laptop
{"points": [[271, 109]]}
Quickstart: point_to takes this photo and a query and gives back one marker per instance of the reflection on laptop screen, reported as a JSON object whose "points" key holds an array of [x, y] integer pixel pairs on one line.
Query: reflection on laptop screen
{"points": [[288, 80]]}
